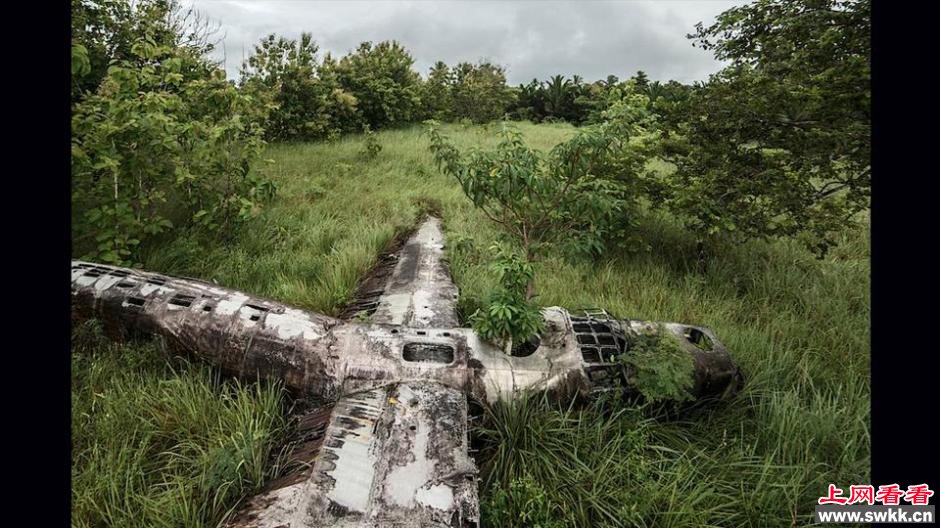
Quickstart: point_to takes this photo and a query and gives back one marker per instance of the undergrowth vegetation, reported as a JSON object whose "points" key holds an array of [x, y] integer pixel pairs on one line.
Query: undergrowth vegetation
{"points": [[796, 324], [159, 442]]}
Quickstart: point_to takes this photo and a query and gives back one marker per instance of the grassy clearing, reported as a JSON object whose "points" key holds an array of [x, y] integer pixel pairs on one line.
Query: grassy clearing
{"points": [[798, 326]]}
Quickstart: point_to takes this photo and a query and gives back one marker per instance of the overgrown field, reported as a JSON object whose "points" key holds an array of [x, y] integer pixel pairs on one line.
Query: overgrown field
{"points": [[160, 444]]}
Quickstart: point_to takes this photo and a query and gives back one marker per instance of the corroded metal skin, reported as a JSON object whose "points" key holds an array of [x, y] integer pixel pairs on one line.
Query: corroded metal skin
{"points": [[394, 451]]}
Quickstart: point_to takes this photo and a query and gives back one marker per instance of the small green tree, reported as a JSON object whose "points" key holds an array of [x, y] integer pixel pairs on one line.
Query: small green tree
{"points": [[510, 317], [381, 78], [779, 142], [438, 95], [371, 148], [480, 92], [538, 199], [105, 31], [152, 148], [566, 198], [305, 100]]}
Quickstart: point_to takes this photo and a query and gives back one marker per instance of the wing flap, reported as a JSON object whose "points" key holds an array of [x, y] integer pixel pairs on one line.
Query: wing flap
{"points": [[392, 456]]}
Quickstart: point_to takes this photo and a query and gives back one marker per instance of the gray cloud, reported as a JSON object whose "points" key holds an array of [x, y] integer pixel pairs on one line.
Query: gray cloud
{"points": [[531, 39]]}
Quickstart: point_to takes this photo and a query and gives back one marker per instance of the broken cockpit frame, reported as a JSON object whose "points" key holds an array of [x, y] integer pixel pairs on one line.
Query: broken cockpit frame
{"points": [[394, 448]]}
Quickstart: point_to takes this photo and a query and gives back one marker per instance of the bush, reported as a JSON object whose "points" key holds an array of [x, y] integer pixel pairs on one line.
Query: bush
{"points": [[381, 78], [538, 199], [509, 316], [371, 147], [659, 368], [479, 92], [777, 144], [155, 147], [522, 504], [304, 97]]}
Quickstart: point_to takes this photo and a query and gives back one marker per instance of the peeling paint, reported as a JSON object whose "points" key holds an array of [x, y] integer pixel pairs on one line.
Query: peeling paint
{"points": [[439, 496], [231, 304], [292, 323]]}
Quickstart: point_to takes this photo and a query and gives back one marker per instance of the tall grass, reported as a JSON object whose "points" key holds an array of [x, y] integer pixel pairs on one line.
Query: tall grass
{"points": [[797, 325], [163, 443]]}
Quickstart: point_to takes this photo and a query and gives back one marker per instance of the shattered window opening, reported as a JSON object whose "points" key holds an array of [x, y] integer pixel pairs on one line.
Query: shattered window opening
{"points": [[182, 300], [600, 337], [428, 353]]}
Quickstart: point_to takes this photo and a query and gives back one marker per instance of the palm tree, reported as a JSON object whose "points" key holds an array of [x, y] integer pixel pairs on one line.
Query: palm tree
{"points": [[557, 91]]}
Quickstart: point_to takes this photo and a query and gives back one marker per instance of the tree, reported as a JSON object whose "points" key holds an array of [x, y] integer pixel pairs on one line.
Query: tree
{"points": [[104, 32], [567, 198], [152, 149], [438, 92], [641, 80], [480, 92], [530, 102], [381, 78], [304, 102], [778, 143], [557, 95]]}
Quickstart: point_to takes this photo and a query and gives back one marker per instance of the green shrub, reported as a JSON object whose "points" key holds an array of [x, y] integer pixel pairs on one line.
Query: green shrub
{"points": [[523, 504], [777, 144], [509, 316], [156, 146], [658, 367], [479, 92], [539, 199], [304, 97], [381, 78], [371, 148]]}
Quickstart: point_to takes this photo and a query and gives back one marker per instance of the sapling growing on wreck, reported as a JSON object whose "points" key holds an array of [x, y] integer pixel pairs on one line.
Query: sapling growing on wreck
{"points": [[537, 199], [509, 317]]}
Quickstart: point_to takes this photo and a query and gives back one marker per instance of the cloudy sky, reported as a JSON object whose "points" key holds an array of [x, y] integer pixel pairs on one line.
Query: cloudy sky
{"points": [[530, 38]]}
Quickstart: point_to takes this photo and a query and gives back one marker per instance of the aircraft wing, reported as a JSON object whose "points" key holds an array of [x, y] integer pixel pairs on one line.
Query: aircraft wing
{"points": [[392, 456]]}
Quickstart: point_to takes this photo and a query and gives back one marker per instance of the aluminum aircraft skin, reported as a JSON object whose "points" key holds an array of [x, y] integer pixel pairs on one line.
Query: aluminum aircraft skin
{"points": [[391, 448]]}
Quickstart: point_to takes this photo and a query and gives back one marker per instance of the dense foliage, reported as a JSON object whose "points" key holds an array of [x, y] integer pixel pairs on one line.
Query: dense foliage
{"points": [[659, 369], [304, 100], [479, 92], [576, 102], [779, 142], [163, 141], [581, 196], [510, 317], [563, 197], [104, 32], [381, 78]]}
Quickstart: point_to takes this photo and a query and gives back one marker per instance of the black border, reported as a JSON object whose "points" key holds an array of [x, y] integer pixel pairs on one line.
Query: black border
{"points": [[905, 207], [904, 216]]}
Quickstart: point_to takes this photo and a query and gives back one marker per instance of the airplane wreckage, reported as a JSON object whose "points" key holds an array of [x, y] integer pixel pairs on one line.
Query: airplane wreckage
{"points": [[391, 447]]}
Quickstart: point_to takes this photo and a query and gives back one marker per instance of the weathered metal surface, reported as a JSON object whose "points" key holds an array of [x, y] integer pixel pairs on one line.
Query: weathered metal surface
{"points": [[394, 447], [233, 330], [392, 456], [420, 293]]}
